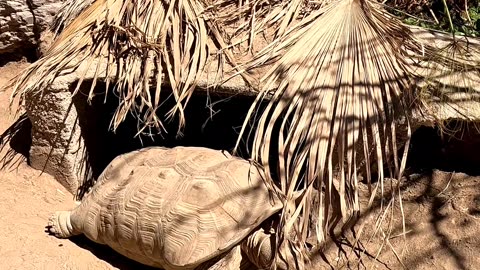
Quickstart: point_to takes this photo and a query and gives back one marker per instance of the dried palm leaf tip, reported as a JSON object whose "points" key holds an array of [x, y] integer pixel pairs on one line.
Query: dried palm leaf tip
{"points": [[340, 80], [67, 13]]}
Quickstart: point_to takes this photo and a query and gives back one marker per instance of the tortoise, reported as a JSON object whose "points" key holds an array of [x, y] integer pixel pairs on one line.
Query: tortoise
{"points": [[178, 208]]}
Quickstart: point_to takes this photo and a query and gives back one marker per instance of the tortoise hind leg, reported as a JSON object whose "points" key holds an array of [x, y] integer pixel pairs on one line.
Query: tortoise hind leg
{"points": [[60, 225]]}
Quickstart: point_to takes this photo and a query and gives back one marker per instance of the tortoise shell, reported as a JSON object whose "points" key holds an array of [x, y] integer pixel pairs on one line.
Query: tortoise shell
{"points": [[175, 207]]}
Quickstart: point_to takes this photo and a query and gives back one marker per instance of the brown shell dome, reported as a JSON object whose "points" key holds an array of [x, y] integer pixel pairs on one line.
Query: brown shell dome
{"points": [[175, 208]]}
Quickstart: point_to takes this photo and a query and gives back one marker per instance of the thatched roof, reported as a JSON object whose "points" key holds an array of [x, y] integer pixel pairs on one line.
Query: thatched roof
{"points": [[341, 76]]}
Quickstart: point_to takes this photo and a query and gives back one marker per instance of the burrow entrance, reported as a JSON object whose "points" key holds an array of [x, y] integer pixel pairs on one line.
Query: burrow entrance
{"points": [[212, 120], [455, 149]]}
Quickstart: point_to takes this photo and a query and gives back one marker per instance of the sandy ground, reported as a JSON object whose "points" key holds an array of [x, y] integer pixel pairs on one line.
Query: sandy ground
{"points": [[442, 213], [27, 199], [442, 221]]}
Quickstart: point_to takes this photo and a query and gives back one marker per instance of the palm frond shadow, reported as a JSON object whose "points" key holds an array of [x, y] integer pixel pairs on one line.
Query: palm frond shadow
{"points": [[16, 141], [433, 191], [429, 189]]}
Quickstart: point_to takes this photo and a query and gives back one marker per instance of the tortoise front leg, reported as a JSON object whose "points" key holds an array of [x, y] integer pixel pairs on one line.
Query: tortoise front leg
{"points": [[260, 248], [231, 260]]}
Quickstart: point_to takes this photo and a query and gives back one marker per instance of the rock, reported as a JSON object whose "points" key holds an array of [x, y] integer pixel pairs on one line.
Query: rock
{"points": [[56, 138], [16, 26], [44, 12], [45, 39], [23, 21]]}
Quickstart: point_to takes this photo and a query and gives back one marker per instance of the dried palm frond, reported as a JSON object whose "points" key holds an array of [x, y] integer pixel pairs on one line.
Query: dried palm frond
{"points": [[137, 43], [68, 12], [134, 44], [268, 17], [341, 86]]}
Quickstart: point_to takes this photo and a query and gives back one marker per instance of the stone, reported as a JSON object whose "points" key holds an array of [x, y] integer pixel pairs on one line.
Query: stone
{"points": [[46, 38], [16, 19], [45, 11], [57, 145], [23, 21]]}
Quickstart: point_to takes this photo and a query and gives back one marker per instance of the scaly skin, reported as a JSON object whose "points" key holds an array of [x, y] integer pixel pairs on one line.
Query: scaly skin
{"points": [[59, 224]]}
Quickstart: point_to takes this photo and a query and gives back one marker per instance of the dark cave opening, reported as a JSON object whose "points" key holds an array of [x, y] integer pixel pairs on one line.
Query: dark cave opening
{"points": [[212, 120], [455, 149]]}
